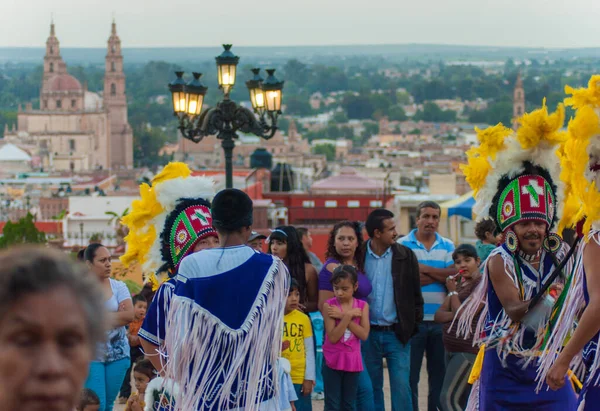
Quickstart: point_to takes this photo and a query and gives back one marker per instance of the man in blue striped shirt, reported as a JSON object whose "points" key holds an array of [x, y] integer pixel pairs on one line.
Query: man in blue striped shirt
{"points": [[434, 253]]}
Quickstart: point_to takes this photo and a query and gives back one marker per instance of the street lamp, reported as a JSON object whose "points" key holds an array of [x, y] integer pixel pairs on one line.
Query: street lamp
{"points": [[227, 118]]}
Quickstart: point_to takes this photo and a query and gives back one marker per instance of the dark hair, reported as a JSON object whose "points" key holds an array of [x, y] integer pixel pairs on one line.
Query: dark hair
{"points": [[359, 257], [90, 252], [302, 231], [144, 366], [294, 285], [465, 250], [87, 397], [296, 256], [81, 255], [486, 225], [342, 272], [375, 220], [139, 297], [147, 292], [427, 204], [27, 270], [231, 210]]}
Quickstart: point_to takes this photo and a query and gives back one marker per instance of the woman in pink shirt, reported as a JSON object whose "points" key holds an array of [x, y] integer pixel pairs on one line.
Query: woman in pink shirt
{"points": [[344, 329]]}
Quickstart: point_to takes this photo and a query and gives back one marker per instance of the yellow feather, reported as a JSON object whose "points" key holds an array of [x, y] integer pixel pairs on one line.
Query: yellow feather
{"points": [[171, 171], [538, 126]]}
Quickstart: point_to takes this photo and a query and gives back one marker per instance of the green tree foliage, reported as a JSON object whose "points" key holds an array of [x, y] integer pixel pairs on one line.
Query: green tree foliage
{"points": [[327, 149], [432, 112], [297, 105], [7, 117], [23, 231], [146, 144], [499, 112]]}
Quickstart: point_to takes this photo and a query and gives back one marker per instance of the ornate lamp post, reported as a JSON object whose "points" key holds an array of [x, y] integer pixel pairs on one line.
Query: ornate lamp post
{"points": [[227, 118]]}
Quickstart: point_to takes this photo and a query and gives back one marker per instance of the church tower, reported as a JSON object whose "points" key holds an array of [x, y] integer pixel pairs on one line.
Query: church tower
{"points": [[518, 101], [115, 101], [53, 62]]}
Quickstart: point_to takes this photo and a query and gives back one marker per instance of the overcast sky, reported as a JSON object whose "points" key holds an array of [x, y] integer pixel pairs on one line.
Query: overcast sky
{"points": [[184, 23]]}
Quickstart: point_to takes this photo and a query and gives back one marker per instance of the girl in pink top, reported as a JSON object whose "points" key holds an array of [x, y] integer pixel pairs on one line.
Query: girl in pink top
{"points": [[346, 323]]}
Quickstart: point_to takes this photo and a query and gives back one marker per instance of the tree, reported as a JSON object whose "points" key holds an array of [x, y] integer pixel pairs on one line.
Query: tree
{"points": [[432, 112], [396, 113], [22, 232], [327, 149], [297, 105], [147, 142], [358, 107]]}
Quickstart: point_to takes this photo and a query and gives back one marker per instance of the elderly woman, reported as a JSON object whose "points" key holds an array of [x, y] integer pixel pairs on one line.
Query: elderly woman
{"points": [[51, 318], [108, 369]]}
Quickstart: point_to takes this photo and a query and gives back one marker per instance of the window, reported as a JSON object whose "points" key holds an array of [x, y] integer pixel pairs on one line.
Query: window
{"points": [[113, 48], [51, 52], [112, 66], [331, 204], [58, 104], [519, 111], [353, 203], [73, 103], [308, 204], [518, 95], [113, 89], [51, 67], [45, 103], [72, 145], [375, 203]]}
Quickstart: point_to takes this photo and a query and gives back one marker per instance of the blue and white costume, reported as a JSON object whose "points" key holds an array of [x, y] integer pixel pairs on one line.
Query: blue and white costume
{"points": [[224, 329]]}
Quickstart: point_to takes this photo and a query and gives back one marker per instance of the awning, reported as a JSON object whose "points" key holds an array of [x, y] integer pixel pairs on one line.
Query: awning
{"points": [[462, 206]]}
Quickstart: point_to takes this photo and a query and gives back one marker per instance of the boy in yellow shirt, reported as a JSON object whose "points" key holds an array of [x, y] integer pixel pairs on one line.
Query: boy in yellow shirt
{"points": [[299, 348]]}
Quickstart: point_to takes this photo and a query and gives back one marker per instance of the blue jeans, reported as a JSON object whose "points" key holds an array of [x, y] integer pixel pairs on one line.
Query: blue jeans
{"points": [[428, 342], [304, 403], [385, 344], [340, 389], [364, 395], [105, 379]]}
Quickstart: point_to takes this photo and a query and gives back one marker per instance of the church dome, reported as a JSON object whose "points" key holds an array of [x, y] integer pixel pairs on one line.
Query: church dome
{"points": [[64, 82]]}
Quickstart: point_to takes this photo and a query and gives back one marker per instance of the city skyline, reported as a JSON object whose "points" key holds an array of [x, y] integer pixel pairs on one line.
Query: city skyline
{"points": [[181, 23]]}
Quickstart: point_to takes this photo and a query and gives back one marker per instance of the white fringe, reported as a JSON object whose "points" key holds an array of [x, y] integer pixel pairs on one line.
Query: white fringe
{"points": [[572, 309], [473, 403], [505, 336], [249, 354]]}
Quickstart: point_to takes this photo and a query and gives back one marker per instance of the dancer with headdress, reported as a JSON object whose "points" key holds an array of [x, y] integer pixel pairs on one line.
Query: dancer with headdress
{"points": [[170, 221], [515, 178], [224, 326], [575, 321]]}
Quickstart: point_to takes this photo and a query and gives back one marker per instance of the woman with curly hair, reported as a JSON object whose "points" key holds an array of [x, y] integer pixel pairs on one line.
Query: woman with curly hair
{"points": [[284, 243], [344, 248]]}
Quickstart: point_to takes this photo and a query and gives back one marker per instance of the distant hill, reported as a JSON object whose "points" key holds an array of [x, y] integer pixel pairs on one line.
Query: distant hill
{"points": [[265, 55]]}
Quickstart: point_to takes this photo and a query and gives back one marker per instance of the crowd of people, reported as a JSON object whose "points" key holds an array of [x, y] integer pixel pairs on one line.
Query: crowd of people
{"points": [[228, 318]]}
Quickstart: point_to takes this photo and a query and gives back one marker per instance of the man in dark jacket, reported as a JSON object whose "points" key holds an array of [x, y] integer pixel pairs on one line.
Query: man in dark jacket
{"points": [[396, 309]]}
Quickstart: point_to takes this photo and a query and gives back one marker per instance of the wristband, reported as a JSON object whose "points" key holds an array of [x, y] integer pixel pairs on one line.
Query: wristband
{"points": [[450, 294]]}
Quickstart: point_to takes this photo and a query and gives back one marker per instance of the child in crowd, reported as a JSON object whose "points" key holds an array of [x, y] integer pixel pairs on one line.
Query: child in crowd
{"points": [[140, 305], [143, 373], [88, 401], [460, 353], [346, 324], [298, 348], [487, 241], [287, 392]]}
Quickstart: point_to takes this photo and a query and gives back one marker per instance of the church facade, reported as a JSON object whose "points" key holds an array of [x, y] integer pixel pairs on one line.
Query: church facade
{"points": [[76, 129]]}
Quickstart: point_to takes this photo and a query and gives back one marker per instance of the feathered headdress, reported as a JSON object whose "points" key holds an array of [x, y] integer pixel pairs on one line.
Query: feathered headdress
{"points": [[171, 216], [515, 175], [582, 196]]}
